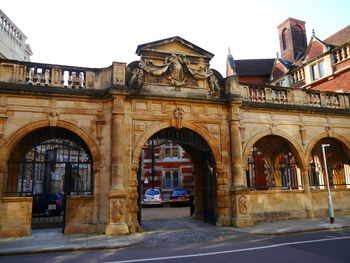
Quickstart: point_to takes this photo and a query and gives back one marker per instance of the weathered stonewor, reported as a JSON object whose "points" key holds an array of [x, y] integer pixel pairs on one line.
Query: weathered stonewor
{"points": [[170, 91]]}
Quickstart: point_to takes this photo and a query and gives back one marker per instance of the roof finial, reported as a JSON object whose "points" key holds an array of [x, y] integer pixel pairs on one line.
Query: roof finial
{"points": [[313, 32], [277, 55], [229, 51]]}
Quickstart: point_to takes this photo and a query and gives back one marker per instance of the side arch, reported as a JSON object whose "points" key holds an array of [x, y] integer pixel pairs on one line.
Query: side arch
{"points": [[18, 135], [196, 128], [323, 135], [299, 152]]}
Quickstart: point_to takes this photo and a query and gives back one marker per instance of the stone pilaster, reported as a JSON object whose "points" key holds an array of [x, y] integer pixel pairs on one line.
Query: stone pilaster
{"points": [[117, 196], [223, 197], [118, 148], [308, 195], [238, 177], [117, 210]]}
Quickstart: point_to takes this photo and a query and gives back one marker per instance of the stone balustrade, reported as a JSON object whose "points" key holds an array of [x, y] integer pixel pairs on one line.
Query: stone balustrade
{"points": [[297, 75], [36, 74], [342, 53], [295, 96], [7, 26], [70, 77]]}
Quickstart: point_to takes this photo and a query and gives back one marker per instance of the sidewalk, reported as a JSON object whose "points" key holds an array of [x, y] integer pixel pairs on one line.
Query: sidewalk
{"points": [[296, 226], [52, 240]]}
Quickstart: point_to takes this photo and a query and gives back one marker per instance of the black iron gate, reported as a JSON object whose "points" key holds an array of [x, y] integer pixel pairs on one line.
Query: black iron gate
{"points": [[48, 165], [208, 188]]}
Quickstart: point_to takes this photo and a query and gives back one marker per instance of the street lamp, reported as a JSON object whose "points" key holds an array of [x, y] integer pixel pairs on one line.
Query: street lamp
{"points": [[330, 204]]}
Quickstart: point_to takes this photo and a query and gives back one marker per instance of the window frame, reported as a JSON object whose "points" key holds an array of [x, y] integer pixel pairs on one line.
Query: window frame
{"points": [[179, 179], [318, 70]]}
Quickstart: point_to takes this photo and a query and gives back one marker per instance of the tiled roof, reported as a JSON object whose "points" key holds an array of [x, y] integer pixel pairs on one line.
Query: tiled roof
{"points": [[339, 38], [254, 67]]}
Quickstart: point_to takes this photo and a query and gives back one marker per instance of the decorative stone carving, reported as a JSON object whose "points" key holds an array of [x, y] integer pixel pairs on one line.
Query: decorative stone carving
{"points": [[303, 134], [117, 211], [137, 76], [100, 122], [177, 69], [214, 88], [47, 76], [3, 119], [53, 116], [178, 115], [242, 204]]}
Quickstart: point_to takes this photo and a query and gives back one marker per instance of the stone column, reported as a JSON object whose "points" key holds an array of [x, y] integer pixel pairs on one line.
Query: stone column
{"points": [[117, 196], [308, 194], [238, 176]]}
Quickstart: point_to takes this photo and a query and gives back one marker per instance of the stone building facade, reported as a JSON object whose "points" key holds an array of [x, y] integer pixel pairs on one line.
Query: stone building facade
{"points": [[254, 148], [12, 40]]}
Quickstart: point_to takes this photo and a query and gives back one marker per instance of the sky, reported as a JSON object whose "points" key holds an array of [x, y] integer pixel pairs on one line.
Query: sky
{"points": [[90, 33]]}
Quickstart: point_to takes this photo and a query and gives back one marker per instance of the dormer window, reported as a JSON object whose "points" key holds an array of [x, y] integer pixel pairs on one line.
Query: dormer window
{"points": [[317, 70]]}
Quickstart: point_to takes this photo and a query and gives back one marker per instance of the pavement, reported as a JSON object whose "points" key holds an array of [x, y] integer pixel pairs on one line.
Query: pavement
{"points": [[52, 240]]}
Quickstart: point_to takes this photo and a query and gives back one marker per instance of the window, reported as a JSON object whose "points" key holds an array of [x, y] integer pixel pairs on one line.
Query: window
{"points": [[284, 39], [318, 70], [171, 179], [171, 150]]}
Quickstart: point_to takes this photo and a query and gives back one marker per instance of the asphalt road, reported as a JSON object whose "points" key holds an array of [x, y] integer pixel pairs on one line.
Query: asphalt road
{"points": [[324, 246]]}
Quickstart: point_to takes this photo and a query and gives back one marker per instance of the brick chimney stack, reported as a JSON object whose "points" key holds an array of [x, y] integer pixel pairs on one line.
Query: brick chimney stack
{"points": [[292, 35]]}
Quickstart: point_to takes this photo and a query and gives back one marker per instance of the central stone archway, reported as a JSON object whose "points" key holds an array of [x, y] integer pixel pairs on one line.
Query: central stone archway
{"points": [[200, 153]]}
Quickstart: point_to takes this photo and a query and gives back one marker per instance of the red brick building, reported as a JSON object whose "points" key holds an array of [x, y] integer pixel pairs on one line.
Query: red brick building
{"points": [[172, 168], [318, 65]]}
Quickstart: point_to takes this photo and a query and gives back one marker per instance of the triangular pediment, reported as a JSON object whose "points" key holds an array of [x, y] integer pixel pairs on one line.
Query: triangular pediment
{"points": [[173, 45]]}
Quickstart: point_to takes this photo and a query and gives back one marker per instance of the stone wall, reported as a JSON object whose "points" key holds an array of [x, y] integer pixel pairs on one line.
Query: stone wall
{"points": [[16, 216]]}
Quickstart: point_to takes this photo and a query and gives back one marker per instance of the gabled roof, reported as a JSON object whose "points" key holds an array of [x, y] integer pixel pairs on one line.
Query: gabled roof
{"points": [[254, 67], [339, 38], [159, 44]]}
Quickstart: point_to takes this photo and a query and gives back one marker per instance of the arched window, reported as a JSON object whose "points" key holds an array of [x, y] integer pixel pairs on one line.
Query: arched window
{"points": [[338, 164], [284, 39], [272, 165], [299, 35]]}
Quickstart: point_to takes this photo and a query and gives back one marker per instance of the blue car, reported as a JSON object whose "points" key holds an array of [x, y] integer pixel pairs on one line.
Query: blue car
{"points": [[49, 204]]}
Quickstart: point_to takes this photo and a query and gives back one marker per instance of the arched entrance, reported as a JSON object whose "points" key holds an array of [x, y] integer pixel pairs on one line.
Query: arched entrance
{"points": [[168, 146], [49, 164]]}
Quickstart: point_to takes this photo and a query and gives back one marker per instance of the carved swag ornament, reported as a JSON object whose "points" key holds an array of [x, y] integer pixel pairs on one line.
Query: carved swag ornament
{"points": [[175, 68]]}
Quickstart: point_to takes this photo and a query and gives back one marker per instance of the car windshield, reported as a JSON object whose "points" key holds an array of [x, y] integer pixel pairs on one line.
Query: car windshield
{"points": [[183, 192], [152, 192]]}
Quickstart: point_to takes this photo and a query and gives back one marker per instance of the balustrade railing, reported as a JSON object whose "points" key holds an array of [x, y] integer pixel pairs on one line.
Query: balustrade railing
{"points": [[297, 75], [313, 99], [44, 76], [11, 29], [279, 96], [342, 53], [295, 96], [257, 94], [36, 74]]}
